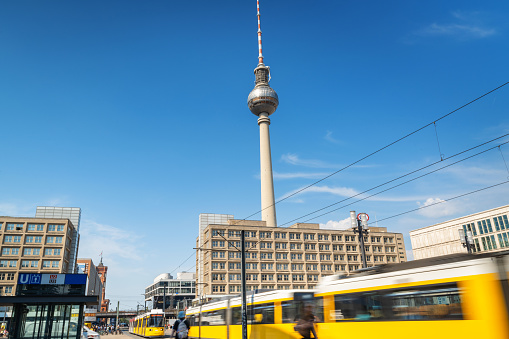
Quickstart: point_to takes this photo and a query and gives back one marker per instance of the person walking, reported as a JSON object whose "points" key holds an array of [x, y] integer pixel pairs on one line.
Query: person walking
{"points": [[305, 325], [181, 326]]}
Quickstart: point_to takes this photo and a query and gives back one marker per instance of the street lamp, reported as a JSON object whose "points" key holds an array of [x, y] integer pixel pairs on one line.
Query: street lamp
{"points": [[466, 239]]}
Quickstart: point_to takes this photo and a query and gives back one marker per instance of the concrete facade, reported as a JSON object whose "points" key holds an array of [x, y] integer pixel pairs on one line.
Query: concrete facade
{"points": [[181, 290], [34, 245], [71, 213], [95, 286], [287, 258], [490, 230]]}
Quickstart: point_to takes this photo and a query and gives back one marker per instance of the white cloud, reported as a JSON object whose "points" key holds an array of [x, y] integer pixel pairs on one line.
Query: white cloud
{"points": [[337, 225], [328, 136], [478, 175], [299, 175], [347, 192], [294, 159], [457, 30], [16, 210], [116, 244], [437, 208], [466, 25]]}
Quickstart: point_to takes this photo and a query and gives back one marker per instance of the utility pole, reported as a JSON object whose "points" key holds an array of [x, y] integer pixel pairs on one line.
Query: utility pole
{"points": [[243, 278], [164, 301], [118, 308], [360, 226]]}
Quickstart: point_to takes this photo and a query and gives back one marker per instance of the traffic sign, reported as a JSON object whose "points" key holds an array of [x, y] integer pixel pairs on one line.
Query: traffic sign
{"points": [[359, 216]]}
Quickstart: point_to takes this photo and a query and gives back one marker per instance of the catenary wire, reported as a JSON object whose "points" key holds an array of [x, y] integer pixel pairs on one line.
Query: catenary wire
{"points": [[381, 149], [405, 175], [390, 188], [367, 156], [442, 201], [183, 262], [405, 182]]}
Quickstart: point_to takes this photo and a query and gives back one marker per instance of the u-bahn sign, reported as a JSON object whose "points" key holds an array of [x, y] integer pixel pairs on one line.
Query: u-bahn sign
{"points": [[51, 279]]}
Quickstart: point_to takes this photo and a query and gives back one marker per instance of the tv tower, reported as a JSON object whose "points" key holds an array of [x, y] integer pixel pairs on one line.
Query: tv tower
{"points": [[263, 101]]}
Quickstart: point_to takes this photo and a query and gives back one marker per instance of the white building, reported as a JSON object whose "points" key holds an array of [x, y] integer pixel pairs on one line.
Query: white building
{"points": [[175, 293], [490, 230]]}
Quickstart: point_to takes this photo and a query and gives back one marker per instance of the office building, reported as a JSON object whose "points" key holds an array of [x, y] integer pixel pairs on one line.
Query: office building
{"points": [[287, 258], [34, 245], [71, 213], [172, 293], [490, 231], [94, 286], [206, 219]]}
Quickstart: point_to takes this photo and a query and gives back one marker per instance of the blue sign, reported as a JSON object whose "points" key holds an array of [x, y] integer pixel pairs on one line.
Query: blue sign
{"points": [[75, 279], [52, 279], [29, 278]]}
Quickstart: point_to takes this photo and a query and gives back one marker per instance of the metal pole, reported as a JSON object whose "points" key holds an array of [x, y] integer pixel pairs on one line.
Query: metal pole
{"points": [[164, 302], [243, 277], [361, 238], [118, 308]]}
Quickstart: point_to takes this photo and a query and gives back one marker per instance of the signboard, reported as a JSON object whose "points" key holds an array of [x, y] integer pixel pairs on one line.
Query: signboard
{"points": [[51, 279]]}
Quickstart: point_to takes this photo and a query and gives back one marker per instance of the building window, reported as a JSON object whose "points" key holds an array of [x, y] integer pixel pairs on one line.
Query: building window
{"points": [[58, 240], [8, 263], [38, 239], [217, 233], [265, 234]]}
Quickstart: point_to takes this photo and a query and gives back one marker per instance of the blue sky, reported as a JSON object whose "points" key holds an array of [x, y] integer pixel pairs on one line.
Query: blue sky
{"points": [[136, 112]]}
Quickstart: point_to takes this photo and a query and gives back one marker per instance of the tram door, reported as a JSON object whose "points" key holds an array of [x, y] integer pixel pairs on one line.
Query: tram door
{"points": [[50, 321]]}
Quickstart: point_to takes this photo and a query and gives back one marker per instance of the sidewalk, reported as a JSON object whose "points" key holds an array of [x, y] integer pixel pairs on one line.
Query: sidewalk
{"points": [[127, 335]]}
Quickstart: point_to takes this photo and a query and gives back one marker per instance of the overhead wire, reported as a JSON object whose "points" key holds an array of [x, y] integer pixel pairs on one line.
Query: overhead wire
{"points": [[404, 175], [445, 200], [405, 182], [364, 158]]}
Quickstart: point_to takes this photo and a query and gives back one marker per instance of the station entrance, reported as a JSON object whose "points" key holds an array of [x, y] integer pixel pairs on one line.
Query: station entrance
{"points": [[51, 321], [48, 307]]}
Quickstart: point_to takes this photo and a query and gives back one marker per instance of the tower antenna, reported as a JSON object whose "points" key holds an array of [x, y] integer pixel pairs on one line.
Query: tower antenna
{"points": [[260, 55]]}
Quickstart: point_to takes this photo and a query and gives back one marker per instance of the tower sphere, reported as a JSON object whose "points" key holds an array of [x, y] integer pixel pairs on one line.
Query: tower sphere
{"points": [[262, 99]]}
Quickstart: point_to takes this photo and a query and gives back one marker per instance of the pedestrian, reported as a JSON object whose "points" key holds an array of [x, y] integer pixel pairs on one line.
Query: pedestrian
{"points": [[181, 326], [305, 324]]}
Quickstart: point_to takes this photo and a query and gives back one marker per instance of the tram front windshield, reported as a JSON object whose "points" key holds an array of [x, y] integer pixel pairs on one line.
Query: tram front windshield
{"points": [[156, 321]]}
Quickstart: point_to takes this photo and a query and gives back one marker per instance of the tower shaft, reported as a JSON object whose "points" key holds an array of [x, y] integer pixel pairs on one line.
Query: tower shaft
{"points": [[267, 182]]}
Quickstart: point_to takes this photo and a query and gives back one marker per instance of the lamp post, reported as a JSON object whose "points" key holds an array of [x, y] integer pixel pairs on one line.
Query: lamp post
{"points": [[466, 239]]}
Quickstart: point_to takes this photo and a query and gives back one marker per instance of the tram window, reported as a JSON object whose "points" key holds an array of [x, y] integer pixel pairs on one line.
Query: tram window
{"points": [[291, 310], [156, 321], [213, 318], [263, 313], [318, 309], [358, 307], [438, 303], [236, 316]]}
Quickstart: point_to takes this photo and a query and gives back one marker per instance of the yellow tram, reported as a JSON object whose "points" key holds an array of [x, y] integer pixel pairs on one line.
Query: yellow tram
{"points": [[271, 314], [457, 296], [150, 324]]}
